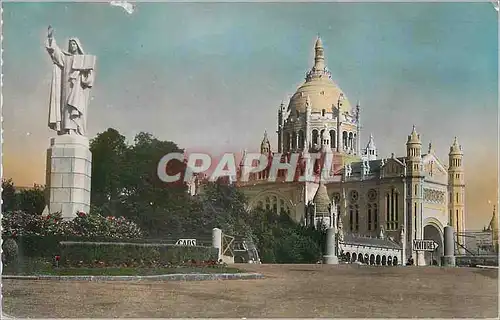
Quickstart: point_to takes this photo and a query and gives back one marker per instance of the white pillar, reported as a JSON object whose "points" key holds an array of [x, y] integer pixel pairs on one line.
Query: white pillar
{"points": [[449, 247], [331, 242], [217, 241], [68, 174]]}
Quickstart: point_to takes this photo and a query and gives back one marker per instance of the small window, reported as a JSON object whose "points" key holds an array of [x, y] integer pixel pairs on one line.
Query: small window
{"points": [[323, 112]]}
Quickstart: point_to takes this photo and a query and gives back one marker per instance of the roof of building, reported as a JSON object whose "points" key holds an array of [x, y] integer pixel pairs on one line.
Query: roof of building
{"points": [[374, 242], [456, 148], [414, 137], [321, 199], [323, 93]]}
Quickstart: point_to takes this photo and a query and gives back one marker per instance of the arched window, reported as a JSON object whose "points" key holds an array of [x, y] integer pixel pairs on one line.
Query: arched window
{"points": [[392, 209], [286, 142], [351, 216], [356, 225], [333, 138], [315, 136], [369, 217], [344, 140], [301, 139], [274, 203], [294, 140]]}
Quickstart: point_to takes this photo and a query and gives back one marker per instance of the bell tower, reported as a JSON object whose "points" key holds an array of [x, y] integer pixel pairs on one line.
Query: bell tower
{"points": [[456, 189], [414, 179]]}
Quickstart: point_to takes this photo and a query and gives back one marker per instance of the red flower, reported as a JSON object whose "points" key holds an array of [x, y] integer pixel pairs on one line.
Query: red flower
{"points": [[58, 258]]}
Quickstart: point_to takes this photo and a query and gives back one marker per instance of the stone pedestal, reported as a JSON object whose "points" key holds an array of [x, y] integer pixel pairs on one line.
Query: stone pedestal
{"points": [[217, 241], [449, 247], [330, 256], [68, 172], [421, 259]]}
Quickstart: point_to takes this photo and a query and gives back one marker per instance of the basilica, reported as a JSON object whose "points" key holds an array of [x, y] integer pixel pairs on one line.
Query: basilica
{"points": [[382, 204]]}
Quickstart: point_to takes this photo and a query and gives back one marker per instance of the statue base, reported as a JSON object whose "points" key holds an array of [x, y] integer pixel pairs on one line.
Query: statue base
{"points": [[330, 259], [68, 172], [448, 261]]}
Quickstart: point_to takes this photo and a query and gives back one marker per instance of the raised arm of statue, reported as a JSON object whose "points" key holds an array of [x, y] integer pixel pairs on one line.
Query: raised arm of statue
{"points": [[53, 49]]}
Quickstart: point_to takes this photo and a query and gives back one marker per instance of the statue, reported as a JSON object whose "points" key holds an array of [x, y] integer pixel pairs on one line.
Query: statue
{"points": [[72, 78]]}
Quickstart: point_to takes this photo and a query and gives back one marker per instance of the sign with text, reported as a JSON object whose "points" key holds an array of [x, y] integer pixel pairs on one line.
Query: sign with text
{"points": [[186, 242], [424, 245]]}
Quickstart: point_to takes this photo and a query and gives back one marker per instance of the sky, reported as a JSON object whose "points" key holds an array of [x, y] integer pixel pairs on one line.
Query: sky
{"points": [[212, 75]]}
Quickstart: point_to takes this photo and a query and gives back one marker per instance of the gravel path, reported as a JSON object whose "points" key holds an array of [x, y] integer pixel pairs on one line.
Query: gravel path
{"points": [[287, 291]]}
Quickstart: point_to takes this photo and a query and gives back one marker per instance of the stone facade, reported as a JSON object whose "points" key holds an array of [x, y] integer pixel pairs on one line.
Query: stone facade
{"points": [[68, 174], [415, 195]]}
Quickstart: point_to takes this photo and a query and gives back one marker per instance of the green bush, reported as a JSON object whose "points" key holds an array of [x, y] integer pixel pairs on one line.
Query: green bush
{"points": [[130, 254], [10, 250]]}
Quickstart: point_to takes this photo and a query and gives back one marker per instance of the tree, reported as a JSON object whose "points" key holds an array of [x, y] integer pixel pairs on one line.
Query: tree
{"points": [[9, 201], [145, 198], [128, 182], [32, 201], [108, 151]]}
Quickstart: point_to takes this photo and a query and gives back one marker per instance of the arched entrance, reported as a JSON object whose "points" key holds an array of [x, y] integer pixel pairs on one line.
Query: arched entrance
{"points": [[372, 259], [432, 232]]}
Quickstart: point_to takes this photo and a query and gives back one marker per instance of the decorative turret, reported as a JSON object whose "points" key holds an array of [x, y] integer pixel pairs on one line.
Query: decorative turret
{"points": [[319, 57], [456, 188], [493, 227], [322, 200], [370, 153], [319, 69], [265, 146], [414, 152], [430, 149], [413, 144]]}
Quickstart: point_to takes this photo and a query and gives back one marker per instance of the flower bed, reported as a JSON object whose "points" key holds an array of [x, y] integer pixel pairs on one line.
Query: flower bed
{"points": [[18, 224], [118, 254], [43, 267]]}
